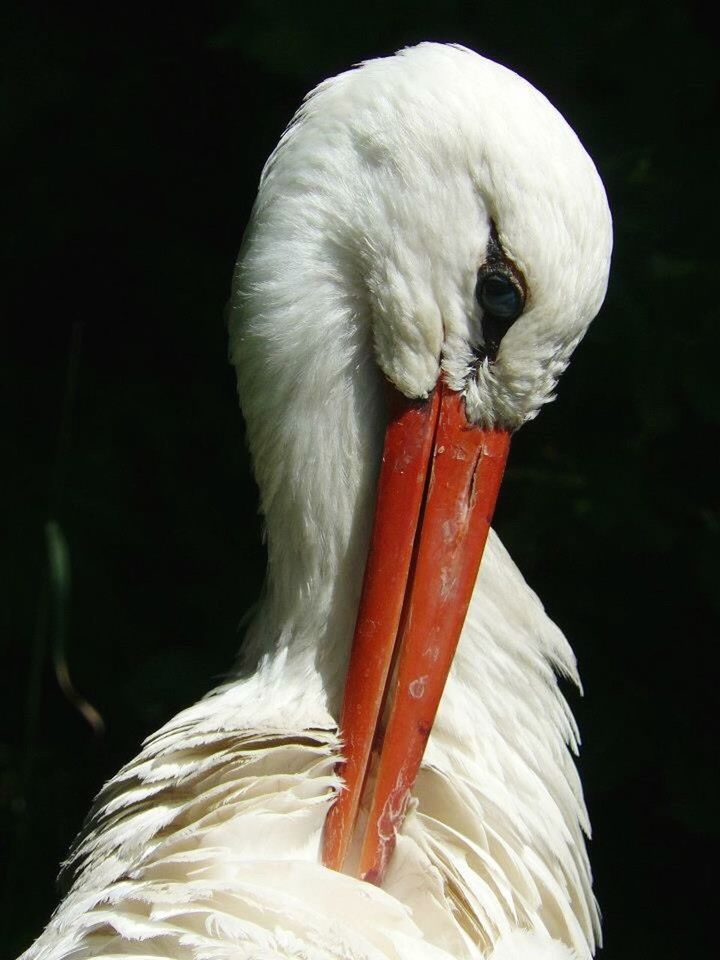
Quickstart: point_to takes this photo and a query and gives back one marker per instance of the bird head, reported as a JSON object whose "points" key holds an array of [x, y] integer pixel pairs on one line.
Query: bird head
{"points": [[471, 225]]}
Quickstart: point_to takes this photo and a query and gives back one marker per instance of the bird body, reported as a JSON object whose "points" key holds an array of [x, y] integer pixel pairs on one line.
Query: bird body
{"points": [[359, 265], [209, 839]]}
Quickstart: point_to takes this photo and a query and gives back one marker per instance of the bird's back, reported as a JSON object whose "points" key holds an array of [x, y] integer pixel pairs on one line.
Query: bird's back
{"points": [[207, 843]]}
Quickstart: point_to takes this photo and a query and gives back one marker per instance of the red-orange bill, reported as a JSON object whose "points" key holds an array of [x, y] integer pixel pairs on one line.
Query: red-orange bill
{"points": [[437, 490]]}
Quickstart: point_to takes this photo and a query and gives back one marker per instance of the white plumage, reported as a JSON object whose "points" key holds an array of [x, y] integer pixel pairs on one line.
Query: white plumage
{"points": [[372, 217]]}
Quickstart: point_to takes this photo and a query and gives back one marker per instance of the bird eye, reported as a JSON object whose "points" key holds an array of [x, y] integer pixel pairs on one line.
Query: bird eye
{"points": [[500, 296]]}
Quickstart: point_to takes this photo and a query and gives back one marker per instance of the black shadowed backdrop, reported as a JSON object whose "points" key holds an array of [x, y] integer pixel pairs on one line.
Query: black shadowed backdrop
{"points": [[133, 139]]}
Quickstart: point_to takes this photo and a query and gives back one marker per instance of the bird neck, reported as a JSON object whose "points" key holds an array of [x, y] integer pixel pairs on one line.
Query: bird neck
{"points": [[315, 433]]}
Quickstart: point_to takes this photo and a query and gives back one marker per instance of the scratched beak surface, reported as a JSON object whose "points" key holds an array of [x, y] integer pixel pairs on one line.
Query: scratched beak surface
{"points": [[437, 490]]}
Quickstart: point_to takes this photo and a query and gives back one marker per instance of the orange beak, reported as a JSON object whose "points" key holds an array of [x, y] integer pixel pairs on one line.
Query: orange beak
{"points": [[437, 490]]}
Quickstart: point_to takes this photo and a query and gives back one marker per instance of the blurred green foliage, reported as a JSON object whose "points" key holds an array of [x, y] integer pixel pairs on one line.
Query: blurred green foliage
{"points": [[133, 139]]}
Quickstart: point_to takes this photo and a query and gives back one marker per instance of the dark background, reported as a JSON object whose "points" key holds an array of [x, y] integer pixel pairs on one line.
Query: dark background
{"points": [[134, 139]]}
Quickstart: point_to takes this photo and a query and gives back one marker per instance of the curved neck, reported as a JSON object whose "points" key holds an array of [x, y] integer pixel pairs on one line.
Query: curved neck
{"points": [[315, 433]]}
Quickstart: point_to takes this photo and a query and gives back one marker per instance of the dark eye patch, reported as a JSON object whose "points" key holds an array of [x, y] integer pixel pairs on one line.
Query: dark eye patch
{"points": [[500, 292]]}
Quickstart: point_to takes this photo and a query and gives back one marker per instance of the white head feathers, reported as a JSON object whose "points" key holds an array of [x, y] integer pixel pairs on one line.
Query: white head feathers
{"points": [[378, 204]]}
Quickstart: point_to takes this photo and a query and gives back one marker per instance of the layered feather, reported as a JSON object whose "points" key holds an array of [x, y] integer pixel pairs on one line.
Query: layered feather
{"points": [[207, 843]]}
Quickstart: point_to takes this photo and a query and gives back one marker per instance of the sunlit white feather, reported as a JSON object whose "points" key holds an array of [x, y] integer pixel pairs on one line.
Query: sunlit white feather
{"points": [[209, 839]]}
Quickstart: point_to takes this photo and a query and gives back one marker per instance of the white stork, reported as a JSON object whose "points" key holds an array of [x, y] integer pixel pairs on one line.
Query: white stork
{"points": [[429, 243]]}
